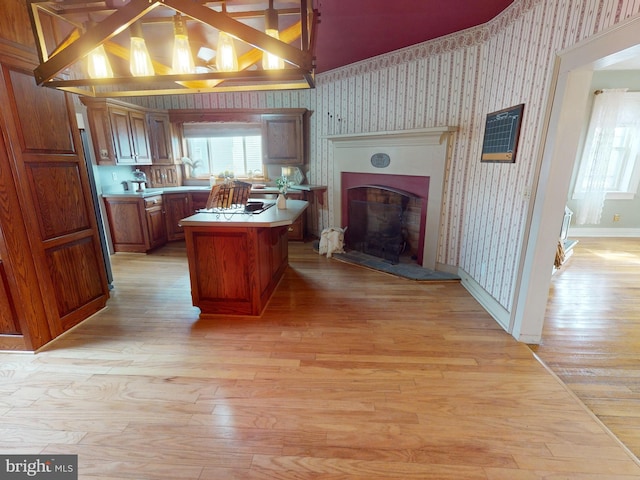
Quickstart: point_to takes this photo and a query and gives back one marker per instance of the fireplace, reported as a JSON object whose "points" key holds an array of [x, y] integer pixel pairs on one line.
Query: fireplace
{"points": [[385, 215], [416, 165]]}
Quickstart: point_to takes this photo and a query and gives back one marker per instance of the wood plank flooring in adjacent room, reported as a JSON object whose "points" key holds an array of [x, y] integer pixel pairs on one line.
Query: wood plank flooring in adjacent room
{"points": [[349, 374], [591, 337]]}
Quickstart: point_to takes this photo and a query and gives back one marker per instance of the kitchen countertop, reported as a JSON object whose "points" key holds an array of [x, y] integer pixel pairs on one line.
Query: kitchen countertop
{"points": [[149, 192], [271, 217]]}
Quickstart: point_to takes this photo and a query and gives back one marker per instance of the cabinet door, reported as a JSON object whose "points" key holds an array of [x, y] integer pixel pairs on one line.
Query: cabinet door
{"points": [[126, 223], [98, 119], [160, 136], [199, 200], [140, 137], [282, 139], [156, 226], [122, 140], [171, 179], [176, 207]]}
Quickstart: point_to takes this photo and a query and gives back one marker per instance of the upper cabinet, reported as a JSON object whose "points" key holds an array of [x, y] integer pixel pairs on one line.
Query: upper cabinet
{"points": [[123, 134], [283, 139], [160, 137], [130, 136]]}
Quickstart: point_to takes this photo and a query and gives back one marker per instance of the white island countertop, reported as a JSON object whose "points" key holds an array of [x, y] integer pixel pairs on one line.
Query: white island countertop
{"points": [[271, 217]]}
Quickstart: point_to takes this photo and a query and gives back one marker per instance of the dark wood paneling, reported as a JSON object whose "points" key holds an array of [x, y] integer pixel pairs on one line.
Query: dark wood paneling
{"points": [[55, 282], [223, 273], [57, 188], [72, 268], [43, 119], [8, 317], [15, 23]]}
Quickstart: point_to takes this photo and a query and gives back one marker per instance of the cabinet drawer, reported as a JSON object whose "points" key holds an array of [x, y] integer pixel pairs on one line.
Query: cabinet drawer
{"points": [[152, 201], [296, 230]]}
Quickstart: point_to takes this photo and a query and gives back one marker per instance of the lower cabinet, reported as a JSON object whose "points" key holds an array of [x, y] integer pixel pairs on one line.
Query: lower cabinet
{"points": [[137, 224], [298, 229], [176, 206]]}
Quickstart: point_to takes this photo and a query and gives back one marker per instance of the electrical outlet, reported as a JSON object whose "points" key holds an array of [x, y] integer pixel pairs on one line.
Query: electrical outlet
{"points": [[114, 176], [616, 217]]}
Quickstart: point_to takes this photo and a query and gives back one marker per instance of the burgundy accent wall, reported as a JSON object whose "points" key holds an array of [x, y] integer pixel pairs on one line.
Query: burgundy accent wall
{"points": [[414, 184]]}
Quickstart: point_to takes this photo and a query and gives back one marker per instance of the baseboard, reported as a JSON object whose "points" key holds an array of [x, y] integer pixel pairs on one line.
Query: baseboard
{"points": [[490, 304], [603, 232]]}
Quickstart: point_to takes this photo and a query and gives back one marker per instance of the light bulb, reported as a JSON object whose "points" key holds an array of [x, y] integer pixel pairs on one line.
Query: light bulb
{"points": [[269, 60], [226, 58], [98, 63], [182, 58], [139, 60]]}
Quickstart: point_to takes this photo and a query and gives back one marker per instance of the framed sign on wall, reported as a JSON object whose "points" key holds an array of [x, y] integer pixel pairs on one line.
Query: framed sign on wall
{"points": [[501, 134]]}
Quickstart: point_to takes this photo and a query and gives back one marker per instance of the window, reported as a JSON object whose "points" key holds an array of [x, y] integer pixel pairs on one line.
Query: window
{"points": [[611, 158], [224, 149], [622, 175]]}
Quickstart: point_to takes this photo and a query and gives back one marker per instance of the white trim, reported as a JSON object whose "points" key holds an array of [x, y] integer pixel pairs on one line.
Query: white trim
{"points": [[570, 87], [604, 232], [490, 304]]}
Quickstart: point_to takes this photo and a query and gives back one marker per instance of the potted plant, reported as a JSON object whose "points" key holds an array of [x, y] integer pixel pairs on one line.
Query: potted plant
{"points": [[283, 185]]}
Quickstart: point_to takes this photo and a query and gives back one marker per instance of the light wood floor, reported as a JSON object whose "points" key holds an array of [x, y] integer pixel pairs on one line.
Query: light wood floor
{"points": [[591, 337], [349, 374]]}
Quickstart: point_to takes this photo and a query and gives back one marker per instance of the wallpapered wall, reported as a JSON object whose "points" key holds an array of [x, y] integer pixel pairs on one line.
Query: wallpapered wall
{"points": [[455, 80]]}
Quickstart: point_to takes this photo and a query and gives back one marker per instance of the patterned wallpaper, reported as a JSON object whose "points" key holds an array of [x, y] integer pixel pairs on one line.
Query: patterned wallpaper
{"points": [[454, 80]]}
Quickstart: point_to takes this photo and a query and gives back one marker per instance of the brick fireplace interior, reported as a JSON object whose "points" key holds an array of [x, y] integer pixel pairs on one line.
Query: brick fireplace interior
{"points": [[385, 214]]}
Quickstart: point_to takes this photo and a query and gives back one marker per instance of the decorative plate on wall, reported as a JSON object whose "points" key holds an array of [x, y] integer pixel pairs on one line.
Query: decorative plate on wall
{"points": [[380, 160]]}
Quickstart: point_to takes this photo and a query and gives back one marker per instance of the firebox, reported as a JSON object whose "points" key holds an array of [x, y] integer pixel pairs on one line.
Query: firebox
{"points": [[385, 215], [383, 222]]}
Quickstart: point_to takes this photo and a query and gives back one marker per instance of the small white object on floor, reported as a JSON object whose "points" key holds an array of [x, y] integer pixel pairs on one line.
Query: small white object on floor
{"points": [[332, 241]]}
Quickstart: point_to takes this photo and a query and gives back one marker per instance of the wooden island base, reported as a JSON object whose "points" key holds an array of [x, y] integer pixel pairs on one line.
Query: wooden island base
{"points": [[236, 264]]}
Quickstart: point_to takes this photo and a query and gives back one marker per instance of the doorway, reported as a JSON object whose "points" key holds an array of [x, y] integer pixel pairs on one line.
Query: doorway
{"points": [[566, 114]]}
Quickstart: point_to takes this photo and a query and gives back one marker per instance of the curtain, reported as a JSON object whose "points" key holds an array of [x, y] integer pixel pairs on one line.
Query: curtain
{"points": [[607, 108]]}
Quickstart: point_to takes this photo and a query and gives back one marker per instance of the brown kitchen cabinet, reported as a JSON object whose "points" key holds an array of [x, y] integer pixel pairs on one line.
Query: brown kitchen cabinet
{"points": [[137, 224], [176, 206], [298, 229], [119, 132], [130, 136], [199, 200], [283, 138], [160, 138], [159, 176]]}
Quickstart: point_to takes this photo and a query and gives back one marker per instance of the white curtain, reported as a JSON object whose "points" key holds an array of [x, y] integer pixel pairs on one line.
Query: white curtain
{"points": [[607, 108]]}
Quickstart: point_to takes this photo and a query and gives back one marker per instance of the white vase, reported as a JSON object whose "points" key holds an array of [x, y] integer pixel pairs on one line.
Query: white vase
{"points": [[281, 202]]}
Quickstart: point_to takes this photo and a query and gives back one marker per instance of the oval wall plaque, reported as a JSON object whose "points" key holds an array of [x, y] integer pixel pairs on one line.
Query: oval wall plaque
{"points": [[380, 160]]}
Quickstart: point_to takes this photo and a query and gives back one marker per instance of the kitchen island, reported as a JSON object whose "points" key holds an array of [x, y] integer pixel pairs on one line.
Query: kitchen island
{"points": [[236, 259]]}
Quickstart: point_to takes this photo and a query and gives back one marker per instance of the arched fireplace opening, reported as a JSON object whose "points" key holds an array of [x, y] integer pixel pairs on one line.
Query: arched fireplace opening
{"points": [[384, 222]]}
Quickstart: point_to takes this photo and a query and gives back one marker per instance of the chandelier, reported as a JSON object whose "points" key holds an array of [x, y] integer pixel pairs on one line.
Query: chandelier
{"points": [[118, 48]]}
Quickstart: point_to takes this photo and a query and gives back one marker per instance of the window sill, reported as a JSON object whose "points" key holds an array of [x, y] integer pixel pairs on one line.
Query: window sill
{"points": [[610, 196]]}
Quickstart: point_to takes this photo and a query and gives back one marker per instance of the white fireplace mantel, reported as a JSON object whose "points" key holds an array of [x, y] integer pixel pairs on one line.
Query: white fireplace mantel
{"points": [[432, 135], [422, 152]]}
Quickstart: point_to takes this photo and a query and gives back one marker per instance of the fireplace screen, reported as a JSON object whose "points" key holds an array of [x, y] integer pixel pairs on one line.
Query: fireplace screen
{"points": [[376, 229]]}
